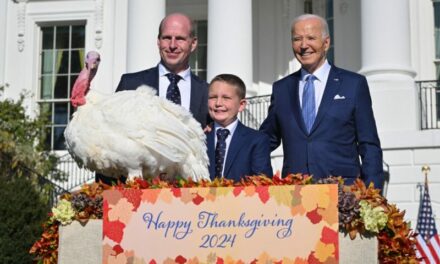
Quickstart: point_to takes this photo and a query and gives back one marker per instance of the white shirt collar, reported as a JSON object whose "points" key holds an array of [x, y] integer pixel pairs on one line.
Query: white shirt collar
{"points": [[186, 74], [231, 127], [321, 73]]}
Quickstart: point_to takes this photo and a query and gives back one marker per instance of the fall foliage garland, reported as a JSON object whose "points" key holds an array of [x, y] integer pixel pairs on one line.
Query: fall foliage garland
{"points": [[362, 211]]}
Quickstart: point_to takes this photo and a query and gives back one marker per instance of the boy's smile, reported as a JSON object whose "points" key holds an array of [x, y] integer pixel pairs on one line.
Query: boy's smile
{"points": [[224, 103]]}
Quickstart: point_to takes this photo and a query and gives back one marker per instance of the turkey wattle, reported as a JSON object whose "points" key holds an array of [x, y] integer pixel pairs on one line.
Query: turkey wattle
{"points": [[133, 133]]}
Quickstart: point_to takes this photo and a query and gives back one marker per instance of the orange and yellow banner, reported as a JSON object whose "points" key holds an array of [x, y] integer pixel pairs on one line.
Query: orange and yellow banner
{"points": [[260, 224]]}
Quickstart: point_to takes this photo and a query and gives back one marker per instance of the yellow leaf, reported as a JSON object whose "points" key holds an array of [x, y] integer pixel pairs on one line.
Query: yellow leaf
{"points": [[282, 196], [312, 198], [324, 251]]}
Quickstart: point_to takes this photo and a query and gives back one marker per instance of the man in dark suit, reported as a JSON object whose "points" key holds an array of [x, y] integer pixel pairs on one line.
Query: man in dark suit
{"points": [[172, 77], [234, 150], [323, 114], [176, 41]]}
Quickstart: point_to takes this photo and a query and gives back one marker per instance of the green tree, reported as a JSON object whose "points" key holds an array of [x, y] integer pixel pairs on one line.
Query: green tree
{"points": [[24, 200]]}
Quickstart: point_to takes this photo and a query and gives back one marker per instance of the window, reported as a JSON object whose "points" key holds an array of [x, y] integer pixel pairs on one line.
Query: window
{"points": [[61, 60], [323, 8], [330, 19], [198, 59]]}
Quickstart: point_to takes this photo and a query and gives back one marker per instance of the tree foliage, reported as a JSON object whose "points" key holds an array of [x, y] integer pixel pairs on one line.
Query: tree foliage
{"points": [[23, 164], [22, 142]]}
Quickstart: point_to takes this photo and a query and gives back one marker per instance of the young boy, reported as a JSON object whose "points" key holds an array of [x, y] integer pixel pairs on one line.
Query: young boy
{"points": [[234, 150]]}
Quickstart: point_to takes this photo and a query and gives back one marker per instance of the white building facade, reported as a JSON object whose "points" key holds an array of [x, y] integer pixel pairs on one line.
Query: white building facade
{"points": [[395, 43]]}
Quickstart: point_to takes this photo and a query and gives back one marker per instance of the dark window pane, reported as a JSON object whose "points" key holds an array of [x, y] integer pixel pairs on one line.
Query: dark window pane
{"points": [[192, 61], [202, 75], [46, 110], [330, 55], [72, 82], [202, 32], [47, 37], [76, 64], [329, 8], [58, 140], [60, 112], [61, 87], [308, 6], [62, 37], [78, 36], [71, 111], [201, 57], [47, 140], [437, 14], [47, 61], [62, 62], [437, 92], [46, 87]]}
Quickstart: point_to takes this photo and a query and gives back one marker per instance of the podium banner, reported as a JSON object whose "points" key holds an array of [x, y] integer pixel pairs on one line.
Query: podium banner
{"points": [[290, 223]]}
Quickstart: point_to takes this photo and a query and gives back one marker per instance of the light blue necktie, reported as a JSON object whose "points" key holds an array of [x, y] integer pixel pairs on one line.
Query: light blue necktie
{"points": [[308, 102]]}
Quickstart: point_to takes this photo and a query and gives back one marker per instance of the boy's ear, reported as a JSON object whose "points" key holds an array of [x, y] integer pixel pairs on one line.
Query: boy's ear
{"points": [[243, 103]]}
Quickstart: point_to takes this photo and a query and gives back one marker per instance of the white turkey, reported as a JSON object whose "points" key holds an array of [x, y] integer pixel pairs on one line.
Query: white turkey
{"points": [[133, 133]]}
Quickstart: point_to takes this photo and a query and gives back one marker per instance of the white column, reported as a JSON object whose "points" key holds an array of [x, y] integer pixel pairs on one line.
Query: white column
{"points": [[230, 40], [3, 16], [144, 17], [386, 61]]}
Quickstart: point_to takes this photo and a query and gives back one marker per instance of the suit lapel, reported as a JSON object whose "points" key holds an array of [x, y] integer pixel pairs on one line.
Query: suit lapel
{"points": [[331, 89], [237, 141], [294, 94], [196, 96], [151, 78], [211, 152]]}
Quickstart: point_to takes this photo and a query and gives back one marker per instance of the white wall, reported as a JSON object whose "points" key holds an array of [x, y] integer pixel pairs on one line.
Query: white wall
{"points": [[422, 39], [3, 29], [407, 178]]}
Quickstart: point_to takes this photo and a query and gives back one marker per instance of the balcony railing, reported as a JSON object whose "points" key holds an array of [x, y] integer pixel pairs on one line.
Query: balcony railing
{"points": [[76, 176], [429, 96], [255, 111]]}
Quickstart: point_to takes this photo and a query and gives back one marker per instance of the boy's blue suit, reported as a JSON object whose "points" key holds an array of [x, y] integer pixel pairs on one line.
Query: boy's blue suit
{"points": [[344, 129], [199, 90], [248, 154]]}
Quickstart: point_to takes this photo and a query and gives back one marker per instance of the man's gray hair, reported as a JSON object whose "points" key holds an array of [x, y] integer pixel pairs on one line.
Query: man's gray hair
{"points": [[324, 24]]}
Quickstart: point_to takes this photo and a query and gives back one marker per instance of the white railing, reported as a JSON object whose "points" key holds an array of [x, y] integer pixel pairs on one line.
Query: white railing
{"points": [[76, 176], [429, 96]]}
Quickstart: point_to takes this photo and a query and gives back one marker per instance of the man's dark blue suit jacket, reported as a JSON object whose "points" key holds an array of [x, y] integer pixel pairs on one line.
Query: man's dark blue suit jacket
{"points": [[343, 140], [248, 154]]}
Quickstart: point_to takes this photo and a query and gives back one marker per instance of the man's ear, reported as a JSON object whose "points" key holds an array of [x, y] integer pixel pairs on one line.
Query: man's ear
{"points": [[194, 43], [327, 43], [243, 103]]}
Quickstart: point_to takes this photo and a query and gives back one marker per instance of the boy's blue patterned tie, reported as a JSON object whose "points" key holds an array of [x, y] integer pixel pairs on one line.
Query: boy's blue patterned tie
{"points": [[220, 151]]}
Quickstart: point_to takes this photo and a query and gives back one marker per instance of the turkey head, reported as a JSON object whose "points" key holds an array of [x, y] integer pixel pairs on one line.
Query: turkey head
{"points": [[82, 83]]}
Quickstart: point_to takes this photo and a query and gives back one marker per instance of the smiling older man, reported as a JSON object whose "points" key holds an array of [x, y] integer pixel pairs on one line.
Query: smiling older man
{"points": [[323, 114]]}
